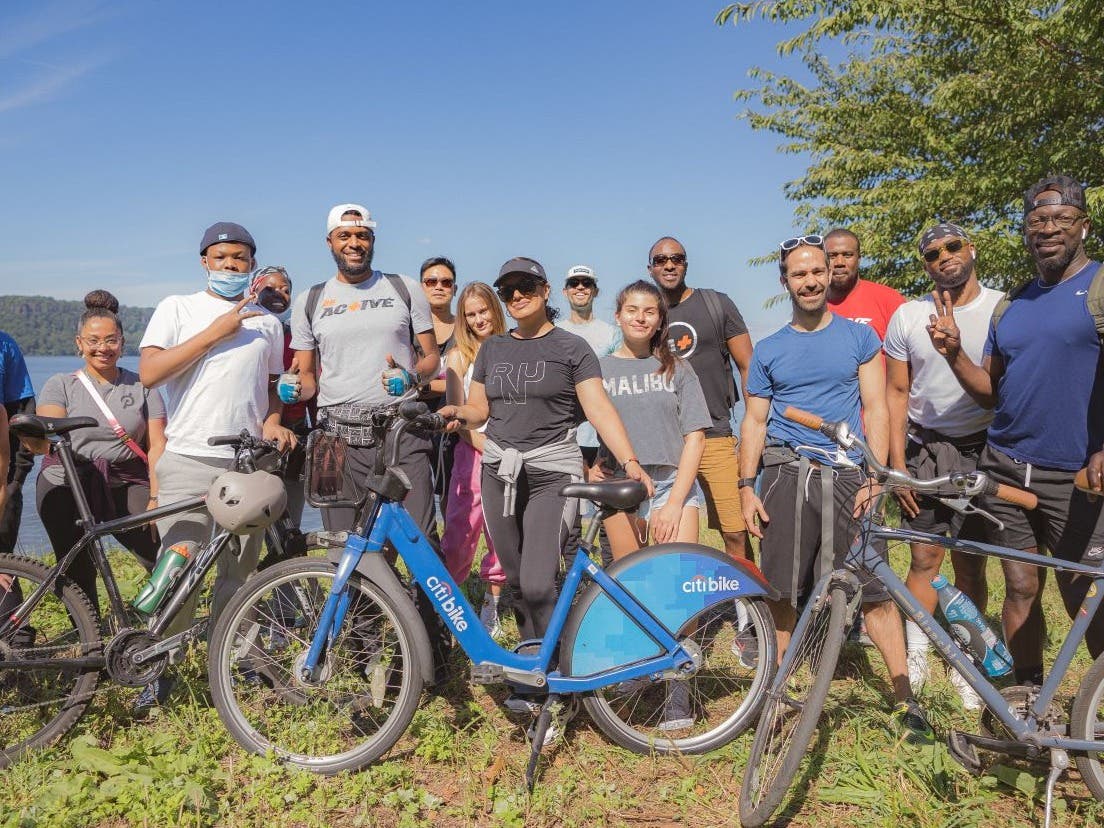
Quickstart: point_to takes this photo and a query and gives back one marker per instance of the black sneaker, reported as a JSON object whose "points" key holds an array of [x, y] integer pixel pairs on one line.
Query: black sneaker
{"points": [[912, 723]]}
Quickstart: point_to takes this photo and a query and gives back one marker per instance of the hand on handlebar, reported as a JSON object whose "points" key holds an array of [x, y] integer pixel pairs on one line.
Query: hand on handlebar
{"points": [[754, 513], [942, 328], [284, 438], [866, 497], [906, 498], [454, 423]]}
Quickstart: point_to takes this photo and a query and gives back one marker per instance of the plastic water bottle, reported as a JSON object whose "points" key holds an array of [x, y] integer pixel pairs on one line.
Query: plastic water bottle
{"points": [[164, 574], [970, 629]]}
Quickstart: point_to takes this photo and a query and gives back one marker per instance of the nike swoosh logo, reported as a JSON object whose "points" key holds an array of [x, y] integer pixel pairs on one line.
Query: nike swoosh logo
{"points": [[1080, 292]]}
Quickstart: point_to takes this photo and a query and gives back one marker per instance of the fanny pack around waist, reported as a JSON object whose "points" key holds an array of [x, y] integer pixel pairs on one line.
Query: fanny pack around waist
{"points": [[350, 422]]}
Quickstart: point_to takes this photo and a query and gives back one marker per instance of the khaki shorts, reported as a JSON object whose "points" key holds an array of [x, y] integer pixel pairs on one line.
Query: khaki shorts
{"points": [[718, 475]]}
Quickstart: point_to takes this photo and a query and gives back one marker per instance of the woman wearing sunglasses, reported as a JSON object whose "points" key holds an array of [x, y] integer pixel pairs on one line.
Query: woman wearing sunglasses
{"points": [[115, 461], [528, 385]]}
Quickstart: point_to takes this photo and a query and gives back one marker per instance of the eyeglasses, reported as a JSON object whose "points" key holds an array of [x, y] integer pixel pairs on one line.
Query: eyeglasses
{"points": [[106, 342], [1062, 222], [443, 281], [675, 259], [581, 282], [812, 240], [525, 284], [932, 254]]}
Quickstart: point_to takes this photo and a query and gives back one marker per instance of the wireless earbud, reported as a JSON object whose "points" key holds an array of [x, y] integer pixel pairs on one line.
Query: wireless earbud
{"points": [[1084, 232], [973, 254]]}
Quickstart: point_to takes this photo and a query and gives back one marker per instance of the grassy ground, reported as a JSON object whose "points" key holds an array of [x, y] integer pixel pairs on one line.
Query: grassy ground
{"points": [[463, 760]]}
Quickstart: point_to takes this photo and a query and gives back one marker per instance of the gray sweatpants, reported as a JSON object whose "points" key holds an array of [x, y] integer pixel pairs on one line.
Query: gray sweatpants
{"points": [[179, 477]]}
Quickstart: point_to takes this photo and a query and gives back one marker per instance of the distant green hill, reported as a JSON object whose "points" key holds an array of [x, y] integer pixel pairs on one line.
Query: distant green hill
{"points": [[45, 327]]}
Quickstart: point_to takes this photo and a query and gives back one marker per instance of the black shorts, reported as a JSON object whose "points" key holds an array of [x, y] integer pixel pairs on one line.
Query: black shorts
{"points": [[934, 459], [1065, 522], [779, 485]]}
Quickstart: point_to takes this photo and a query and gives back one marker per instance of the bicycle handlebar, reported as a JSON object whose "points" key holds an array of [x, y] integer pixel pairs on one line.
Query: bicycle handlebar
{"points": [[963, 483]]}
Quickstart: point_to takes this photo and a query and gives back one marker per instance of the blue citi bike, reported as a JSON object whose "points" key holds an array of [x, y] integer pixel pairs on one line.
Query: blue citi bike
{"points": [[321, 661], [1022, 721]]}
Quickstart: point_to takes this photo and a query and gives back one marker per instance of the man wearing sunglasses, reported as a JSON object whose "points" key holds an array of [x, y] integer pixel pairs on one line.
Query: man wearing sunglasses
{"points": [[831, 366], [1043, 377], [860, 300], [706, 329], [935, 428]]}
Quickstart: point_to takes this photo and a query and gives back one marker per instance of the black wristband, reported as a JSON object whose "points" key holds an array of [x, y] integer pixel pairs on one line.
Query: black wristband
{"points": [[745, 481]]}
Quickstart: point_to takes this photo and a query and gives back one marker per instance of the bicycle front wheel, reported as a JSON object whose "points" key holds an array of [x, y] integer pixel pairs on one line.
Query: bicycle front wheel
{"points": [[1087, 722], [368, 682], [793, 705], [707, 709], [42, 692]]}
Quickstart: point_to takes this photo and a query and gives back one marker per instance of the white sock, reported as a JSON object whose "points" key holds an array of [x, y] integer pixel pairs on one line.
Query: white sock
{"points": [[492, 599], [915, 638], [742, 619]]}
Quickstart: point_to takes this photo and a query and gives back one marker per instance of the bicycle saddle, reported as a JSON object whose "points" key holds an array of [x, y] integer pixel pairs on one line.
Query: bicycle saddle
{"points": [[622, 495], [30, 425]]}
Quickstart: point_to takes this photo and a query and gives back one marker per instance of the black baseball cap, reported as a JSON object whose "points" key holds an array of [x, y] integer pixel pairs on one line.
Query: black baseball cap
{"points": [[1068, 191], [226, 231], [520, 266]]}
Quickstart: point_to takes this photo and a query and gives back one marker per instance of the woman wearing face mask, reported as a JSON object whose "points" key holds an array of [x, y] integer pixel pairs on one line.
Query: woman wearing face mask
{"points": [[116, 460], [479, 317], [662, 405], [528, 385]]}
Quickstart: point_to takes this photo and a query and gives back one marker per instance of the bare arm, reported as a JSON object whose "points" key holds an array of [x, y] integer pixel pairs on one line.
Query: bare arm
{"points": [[155, 365], [475, 410], [306, 361], [430, 364], [271, 429], [155, 435], [872, 391], [739, 347], [898, 383], [455, 368], [753, 437]]}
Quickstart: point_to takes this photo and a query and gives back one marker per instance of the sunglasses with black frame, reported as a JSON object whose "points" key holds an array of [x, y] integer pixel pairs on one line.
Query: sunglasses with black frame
{"points": [[525, 283], [580, 281]]}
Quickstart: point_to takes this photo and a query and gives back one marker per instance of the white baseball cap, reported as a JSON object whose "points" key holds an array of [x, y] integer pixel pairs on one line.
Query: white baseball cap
{"points": [[581, 272], [334, 220]]}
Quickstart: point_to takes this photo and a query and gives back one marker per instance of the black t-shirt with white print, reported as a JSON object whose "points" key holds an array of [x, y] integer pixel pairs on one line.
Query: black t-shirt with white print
{"points": [[530, 385]]}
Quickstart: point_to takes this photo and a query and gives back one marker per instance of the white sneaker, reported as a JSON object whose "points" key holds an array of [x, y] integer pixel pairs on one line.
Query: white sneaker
{"points": [[488, 616], [970, 699], [919, 670]]}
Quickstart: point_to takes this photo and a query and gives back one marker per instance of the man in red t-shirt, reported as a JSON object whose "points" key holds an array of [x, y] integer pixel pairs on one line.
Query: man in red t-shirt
{"points": [[862, 301]]}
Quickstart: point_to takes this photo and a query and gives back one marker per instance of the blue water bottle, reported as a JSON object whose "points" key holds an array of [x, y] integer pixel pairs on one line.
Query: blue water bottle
{"points": [[970, 630]]}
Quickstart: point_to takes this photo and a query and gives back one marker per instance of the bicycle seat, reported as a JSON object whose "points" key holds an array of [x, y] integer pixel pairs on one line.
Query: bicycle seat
{"points": [[622, 495], [31, 425]]}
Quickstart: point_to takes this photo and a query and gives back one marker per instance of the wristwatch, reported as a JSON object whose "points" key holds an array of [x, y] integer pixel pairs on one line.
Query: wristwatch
{"points": [[745, 481]]}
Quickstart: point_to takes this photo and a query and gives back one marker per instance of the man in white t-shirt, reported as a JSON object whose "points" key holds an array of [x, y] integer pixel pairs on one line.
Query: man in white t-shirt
{"points": [[215, 357], [936, 427]]}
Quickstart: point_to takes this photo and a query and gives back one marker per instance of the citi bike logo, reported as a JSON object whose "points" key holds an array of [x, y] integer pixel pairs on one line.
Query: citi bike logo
{"points": [[700, 583], [442, 594]]}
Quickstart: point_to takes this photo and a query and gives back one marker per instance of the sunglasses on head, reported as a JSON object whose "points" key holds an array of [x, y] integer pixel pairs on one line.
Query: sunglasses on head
{"points": [[525, 284], [443, 281], [674, 258], [932, 254], [580, 281], [812, 240]]}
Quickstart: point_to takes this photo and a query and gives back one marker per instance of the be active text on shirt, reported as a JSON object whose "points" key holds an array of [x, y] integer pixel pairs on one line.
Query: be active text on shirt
{"points": [[638, 384], [331, 307]]}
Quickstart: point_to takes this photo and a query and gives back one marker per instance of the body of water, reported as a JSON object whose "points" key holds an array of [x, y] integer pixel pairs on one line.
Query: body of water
{"points": [[32, 535]]}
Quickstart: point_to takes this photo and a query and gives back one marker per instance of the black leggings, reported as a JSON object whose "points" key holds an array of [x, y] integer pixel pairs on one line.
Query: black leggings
{"points": [[529, 542], [58, 511]]}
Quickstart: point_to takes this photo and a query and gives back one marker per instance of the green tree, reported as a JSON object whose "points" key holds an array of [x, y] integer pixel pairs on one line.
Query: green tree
{"points": [[917, 110]]}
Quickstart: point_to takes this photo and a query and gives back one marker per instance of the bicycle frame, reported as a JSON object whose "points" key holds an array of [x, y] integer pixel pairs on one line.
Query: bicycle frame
{"points": [[862, 558], [389, 522]]}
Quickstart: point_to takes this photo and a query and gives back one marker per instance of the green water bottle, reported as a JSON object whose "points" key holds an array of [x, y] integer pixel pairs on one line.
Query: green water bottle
{"points": [[164, 574]]}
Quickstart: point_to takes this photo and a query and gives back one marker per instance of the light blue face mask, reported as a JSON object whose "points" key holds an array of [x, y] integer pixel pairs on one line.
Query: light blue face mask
{"points": [[227, 283]]}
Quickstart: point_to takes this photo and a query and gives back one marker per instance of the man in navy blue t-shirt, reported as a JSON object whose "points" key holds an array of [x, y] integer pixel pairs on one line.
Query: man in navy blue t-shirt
{"points": [[1042, 375], [832, 367]]}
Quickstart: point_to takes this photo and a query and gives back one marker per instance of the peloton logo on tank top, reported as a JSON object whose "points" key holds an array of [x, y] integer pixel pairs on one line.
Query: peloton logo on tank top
{"points": [[511, 382], [682, 338]]}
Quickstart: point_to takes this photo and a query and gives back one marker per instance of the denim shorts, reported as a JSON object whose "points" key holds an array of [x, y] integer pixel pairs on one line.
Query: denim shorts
{"points": [[664, 479]]}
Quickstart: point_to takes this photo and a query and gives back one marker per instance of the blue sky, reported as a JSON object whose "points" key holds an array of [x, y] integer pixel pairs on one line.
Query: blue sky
{"points": [[575, 132]]}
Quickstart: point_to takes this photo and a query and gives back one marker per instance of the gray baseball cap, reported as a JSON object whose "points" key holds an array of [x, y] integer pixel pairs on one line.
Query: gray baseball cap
{"points": [[521, 266]]}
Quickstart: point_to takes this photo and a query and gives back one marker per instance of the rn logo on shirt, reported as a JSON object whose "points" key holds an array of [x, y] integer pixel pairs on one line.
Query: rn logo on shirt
{"points": [[682, 338], [510, 382], [330, 307]]}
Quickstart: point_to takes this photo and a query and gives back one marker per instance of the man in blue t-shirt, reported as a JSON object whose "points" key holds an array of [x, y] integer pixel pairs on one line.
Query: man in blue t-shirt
{"points": [[830, 366], [1042, 375], [18, 398]]}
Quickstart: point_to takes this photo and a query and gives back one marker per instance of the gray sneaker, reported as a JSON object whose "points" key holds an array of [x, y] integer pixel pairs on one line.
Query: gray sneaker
{"points": [[677, 714]]}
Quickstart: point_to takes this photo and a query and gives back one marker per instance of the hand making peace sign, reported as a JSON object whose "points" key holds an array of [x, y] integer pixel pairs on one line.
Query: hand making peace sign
{"points": [[942, 328]]}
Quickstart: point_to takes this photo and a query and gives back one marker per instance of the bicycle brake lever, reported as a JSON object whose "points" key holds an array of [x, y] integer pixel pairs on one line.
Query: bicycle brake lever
{"points": [[963, 506]]}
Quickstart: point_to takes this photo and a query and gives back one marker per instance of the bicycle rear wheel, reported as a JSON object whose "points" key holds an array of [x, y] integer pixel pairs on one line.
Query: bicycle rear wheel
{"points": [[709, 708], [793, 705], [38, 704], [369, 683], [1087, 722]]}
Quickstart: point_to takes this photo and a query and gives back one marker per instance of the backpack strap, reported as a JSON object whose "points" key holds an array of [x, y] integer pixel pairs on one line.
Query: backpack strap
{"points": [[314, 295], [400, 288], [1095, 301], [716, 315], [1004, 302]]}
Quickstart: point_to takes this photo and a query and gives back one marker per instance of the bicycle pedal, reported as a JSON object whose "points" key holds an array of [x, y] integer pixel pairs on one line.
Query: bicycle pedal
{"points": [[964, 752], [487, 674]]}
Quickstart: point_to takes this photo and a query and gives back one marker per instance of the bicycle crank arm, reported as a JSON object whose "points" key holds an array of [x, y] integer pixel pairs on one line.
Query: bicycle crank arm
{"points": [[173, 642]]}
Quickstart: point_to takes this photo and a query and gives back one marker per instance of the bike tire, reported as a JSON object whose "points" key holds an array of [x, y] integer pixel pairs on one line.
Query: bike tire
{"points": [[724, 695], [38, 706], [370, 684], [1087, 722], [801, 684]]}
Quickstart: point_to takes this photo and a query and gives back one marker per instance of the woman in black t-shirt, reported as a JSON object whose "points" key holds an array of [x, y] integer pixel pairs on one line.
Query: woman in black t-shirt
{"points": [[528, 385]]}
